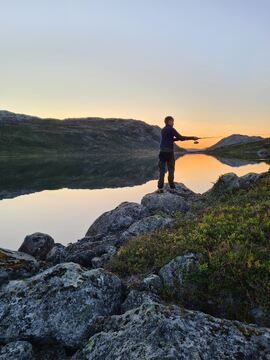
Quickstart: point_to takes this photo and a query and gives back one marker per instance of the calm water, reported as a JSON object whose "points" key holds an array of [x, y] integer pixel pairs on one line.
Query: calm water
{"points": [[63, 198]]}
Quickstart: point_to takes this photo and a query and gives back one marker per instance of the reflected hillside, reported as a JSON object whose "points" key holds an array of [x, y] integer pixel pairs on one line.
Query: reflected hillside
{"points": [[200, 171], [236, 162], [25, 176], [66, 195], [20, 177]]}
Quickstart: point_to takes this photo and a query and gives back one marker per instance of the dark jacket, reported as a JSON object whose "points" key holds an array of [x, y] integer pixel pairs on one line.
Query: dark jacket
{"points": [[168, 136]]}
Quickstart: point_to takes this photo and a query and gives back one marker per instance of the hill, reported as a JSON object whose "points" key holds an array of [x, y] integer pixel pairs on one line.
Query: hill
{"points": [[22, 135], [235, 139], [248, 150]]}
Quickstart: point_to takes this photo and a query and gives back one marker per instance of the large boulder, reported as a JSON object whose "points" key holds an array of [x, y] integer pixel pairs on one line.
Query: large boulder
{"points": [[260, 316], [229, 182], [57, 254], [88, 254], [17, 350], [59, 305], [24, 350], [118, 219], [16, 265], [165, 203], [248, 179], [175, 275], [91, 250], [137, 298], [183, 191], [226, 183], [95, 251], [37, 245], [152, 283], [146, 225], [154, 331], [105, 235], [50, 351]]}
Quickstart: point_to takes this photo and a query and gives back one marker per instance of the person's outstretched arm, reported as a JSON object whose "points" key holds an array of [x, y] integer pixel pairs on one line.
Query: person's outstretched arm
{"points": [[179, 137]]}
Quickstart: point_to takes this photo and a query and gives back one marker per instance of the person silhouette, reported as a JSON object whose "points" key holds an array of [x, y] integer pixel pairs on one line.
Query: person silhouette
{"points": [[166, 154]]}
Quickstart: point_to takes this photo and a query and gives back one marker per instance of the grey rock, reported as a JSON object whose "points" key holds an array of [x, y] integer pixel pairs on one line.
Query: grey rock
{"points": [[229, 182], [146, 225], [57, 254], [50, 352], [3, 276], [59, 305], [83, 258], [104, 258], [248, 179], [118, 219], [137, 298], [168, 332], [151, 283], [104, 236], [261, 316], [17, 350], [37, 245], [166, 203], [183, 190], [225, 184], [16, 265], [98, 261], [83, 253], [174, 274], [91, 251]]}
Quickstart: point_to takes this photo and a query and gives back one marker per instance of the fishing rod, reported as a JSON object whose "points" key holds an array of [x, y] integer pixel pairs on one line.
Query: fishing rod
{"points": [[218, 137]]}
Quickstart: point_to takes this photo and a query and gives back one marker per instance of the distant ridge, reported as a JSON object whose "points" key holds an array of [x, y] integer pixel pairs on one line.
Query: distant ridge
{"points": [[4, 114], [249, 150], [25, 135], [235, 139]]}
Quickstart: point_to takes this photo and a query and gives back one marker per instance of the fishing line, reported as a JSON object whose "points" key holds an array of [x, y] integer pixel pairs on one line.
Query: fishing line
{"points": [[219, 137], [216, 137]]}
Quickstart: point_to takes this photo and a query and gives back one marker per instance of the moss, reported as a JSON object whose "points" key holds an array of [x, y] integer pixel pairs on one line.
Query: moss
{"points": [[7, 261], [3, 256], [233, 237], [248, 331]]}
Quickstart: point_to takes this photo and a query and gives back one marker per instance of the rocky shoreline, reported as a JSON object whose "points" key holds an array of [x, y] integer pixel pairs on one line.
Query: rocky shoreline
{"points": [[58, 302]]}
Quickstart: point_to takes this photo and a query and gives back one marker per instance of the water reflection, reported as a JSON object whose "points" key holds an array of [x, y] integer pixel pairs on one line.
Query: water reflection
{"points": [[25, 176], [235, 162], [64, 197], [19, 177]]}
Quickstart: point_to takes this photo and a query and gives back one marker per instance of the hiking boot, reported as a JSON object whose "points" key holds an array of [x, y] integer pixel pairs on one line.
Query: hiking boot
{"points": [[172, 190], [159, 191]]}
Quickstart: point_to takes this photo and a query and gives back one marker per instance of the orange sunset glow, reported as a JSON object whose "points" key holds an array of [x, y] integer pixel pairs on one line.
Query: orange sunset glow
{"points": [[140, 60]]}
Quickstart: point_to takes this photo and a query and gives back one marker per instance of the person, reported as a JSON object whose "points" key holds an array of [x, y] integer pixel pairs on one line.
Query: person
{"points": [[166, 155]]}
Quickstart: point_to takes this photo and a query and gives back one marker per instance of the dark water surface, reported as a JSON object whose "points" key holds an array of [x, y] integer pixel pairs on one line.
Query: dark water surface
{"points": [[63, 197]]}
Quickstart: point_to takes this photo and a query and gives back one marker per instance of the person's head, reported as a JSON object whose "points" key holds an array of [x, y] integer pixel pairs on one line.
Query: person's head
{"points": [[169, 120]]}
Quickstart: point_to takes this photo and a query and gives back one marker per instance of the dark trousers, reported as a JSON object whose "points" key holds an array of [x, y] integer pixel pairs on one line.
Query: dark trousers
{"points": [[166, 158]]}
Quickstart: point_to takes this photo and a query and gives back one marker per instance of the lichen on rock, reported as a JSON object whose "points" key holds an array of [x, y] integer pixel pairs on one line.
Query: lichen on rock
{"points": [[60, 304]]}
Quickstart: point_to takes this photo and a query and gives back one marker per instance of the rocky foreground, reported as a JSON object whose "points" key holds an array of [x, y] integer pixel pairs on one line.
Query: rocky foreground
{"points": [[59, 302]]}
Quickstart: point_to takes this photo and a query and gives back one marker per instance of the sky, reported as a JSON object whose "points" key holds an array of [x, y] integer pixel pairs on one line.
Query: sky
{"points": [[206, 63]]}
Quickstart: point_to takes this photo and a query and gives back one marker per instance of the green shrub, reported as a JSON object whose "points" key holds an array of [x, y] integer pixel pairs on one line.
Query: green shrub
{"points": [[233, 235]]}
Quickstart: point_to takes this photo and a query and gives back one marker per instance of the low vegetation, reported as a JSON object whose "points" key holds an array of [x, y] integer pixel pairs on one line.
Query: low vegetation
{"points": [[35, 137], [233, 235], [252, 150]]}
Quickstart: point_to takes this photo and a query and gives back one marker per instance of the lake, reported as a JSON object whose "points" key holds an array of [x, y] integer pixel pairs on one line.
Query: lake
{"points": [[64, 197]]}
